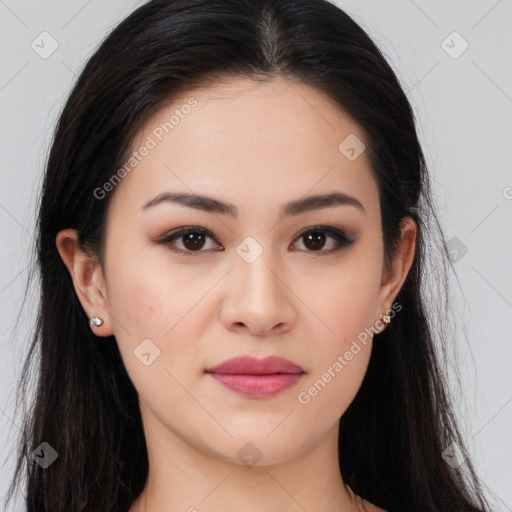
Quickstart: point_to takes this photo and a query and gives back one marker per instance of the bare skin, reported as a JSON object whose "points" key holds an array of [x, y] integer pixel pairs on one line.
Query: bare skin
{"points": [[256, 146]]}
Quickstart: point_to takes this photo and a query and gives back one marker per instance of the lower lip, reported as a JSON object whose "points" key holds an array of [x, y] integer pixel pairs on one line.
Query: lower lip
{"points": [[258, 385]]}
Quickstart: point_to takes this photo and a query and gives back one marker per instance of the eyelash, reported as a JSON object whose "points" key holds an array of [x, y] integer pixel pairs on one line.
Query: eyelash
{"points": [[339, 236]]}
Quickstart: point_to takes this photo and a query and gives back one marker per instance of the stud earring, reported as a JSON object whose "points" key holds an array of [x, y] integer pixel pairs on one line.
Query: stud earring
{"points": [[96, 321], [386, 319]]}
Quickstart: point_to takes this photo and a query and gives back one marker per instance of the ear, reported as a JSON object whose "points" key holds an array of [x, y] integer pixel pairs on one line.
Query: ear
{"points": [[394, 276], [87, 277]]}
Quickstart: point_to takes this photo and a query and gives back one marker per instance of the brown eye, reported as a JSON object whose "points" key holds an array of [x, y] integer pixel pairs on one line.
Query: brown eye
{"points": [[192, 239], [316, 238]]}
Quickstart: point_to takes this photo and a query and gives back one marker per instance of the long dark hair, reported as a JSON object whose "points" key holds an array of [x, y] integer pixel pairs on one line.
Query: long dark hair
{"points": [[394, 433]]}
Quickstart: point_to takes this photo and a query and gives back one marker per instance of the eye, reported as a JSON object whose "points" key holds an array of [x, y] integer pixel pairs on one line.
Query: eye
{"points": [[316, 236], [193, 240]]}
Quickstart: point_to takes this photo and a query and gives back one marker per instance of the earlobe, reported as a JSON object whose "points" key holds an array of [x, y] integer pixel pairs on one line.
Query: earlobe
{"points": [[88, 282]]}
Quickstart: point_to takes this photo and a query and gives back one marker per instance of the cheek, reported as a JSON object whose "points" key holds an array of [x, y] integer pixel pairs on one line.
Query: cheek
{"points": [[326, 396], [338, 371], [346, 304], [152, 311], [150, 300]]}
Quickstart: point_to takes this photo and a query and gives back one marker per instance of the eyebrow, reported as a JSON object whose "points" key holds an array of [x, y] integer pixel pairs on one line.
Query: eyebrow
{"points": [[212, 205]]}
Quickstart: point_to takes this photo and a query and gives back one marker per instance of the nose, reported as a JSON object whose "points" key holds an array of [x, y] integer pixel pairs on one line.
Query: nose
{"points": [[257, 297]]}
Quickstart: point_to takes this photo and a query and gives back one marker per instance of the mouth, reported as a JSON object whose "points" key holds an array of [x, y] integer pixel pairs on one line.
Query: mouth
{"points": [[248, 365], [257, 378]]}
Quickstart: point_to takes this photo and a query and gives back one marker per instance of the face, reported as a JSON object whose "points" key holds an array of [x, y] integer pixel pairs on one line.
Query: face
{"points": [[253, 277]]}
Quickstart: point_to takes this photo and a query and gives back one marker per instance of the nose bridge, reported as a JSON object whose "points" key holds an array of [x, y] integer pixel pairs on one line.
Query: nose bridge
{"points": [[256, 295], [253, 264]]}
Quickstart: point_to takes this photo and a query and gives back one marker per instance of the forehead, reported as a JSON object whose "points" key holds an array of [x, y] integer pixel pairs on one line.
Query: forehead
{"points": [[270, 139]]}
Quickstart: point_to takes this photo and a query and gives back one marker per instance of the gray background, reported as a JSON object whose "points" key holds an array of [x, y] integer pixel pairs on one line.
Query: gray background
{"points": [[463, 105]]}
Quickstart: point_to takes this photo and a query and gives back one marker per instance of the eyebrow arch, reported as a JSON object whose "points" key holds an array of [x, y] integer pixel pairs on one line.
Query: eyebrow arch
{"points": [[297, 207]]}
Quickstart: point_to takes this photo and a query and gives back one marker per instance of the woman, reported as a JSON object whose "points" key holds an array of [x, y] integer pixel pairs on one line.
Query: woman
{"points": [[232, 242]]}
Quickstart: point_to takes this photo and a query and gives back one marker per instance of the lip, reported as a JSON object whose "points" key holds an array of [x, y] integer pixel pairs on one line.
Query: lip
{"points": [[258, 378], [249, 365]]}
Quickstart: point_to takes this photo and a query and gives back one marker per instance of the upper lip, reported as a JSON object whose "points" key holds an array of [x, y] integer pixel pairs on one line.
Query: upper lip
{"points": [[248, 365]]}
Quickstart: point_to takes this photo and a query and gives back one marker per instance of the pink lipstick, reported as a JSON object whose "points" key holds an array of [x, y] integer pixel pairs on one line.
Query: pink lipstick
{"points": [[257, 378]]}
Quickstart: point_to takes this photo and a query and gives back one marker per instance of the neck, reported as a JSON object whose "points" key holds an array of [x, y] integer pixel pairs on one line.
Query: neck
{"points": [[184, 478]]}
